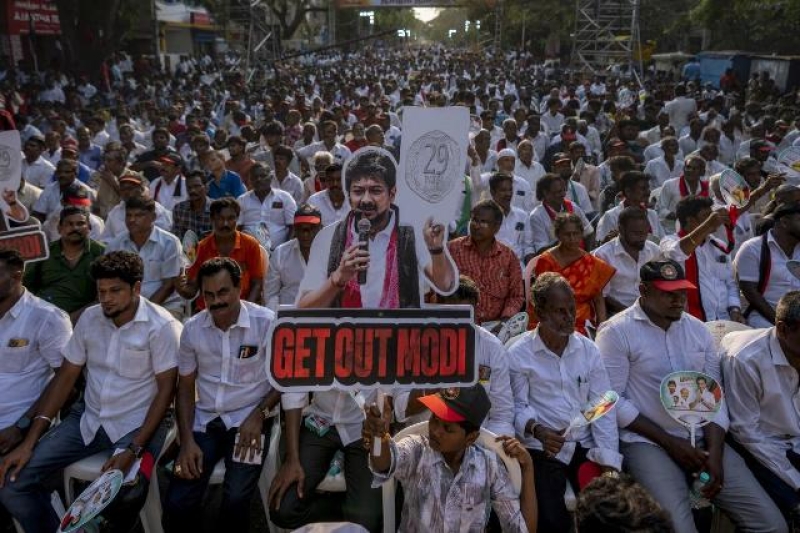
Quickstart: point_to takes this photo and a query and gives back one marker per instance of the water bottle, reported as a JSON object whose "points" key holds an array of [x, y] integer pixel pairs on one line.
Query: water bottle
{"points": [[696, 498]]}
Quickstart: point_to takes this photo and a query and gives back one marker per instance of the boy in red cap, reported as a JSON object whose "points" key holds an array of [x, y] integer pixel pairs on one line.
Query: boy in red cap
{"points": [[476, 479]]}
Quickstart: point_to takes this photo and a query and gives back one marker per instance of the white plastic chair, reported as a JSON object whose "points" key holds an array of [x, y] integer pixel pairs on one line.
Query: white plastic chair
{"points": [[88, 469], [487, 440], [720, 328]]}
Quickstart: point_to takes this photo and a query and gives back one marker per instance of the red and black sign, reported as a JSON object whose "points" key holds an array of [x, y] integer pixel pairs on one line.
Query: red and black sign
{"points": [[321, 349], [31, 244]]}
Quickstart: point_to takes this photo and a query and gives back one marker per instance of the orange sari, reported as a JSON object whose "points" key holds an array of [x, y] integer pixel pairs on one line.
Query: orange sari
{"points": [[587, 276]]}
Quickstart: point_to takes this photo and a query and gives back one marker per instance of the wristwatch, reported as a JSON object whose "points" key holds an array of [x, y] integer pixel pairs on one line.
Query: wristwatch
{"points": [[23, 424], [136, 450]]}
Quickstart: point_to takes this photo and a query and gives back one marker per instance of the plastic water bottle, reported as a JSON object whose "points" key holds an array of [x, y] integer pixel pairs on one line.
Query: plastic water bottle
{"points": [[696, 498]]}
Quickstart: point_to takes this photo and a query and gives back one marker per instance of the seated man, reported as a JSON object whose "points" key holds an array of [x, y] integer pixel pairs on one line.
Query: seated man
{"points": [[551, 191], [554, 373], [627, 252], [689, 184], [642, 345], [492, 265], [227, 241], [76, 196], [130, 185], [492, 360], [619, 504], [330, 201], [705, 259], [760, 369], [268, 205], [760, 264], [423, 463], [50, 199], [128, 347], [229, 417], [32, 335], [160, 251], [287, 264], [635, 188], [515, 232], [193, 214]]}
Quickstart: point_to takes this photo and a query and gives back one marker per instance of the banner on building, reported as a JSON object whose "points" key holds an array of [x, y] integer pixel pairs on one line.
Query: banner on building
{"points": [[37, 16]]}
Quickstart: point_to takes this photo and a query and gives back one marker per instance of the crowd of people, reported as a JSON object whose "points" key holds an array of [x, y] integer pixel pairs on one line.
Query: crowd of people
{"points": [[183, 209]]}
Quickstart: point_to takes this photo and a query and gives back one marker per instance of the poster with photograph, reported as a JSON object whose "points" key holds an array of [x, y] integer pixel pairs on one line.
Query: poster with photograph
{"points": [[691, 398], [92, 501]]}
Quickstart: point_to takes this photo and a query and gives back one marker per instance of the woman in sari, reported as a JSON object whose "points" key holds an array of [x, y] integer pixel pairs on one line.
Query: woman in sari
{"points": [[587, 275]]}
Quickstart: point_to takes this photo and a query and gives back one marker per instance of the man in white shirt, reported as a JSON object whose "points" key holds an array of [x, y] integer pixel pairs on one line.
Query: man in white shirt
{"points": [[287, 263], [689, 184], [285, 179], [680, 108], [128, 347], [32, 335], [515, 232], [635, 189], [130, 185], [576, 192], [551, 191], [534, 133], [330, 201], [761, 266], [487, 157], [66, 177], [36, 169], [224, 403], [492, 359], [328, 131], [642, 345], [760, 369], [552, 118], [555, 372], [627, 252], [268, 205], [506, 161], [691, 140], [705, 259], [667, 166], [160, 250], [170, 189], [525, 167]]}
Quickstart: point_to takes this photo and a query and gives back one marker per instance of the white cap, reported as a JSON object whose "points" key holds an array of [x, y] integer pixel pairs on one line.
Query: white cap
{"points": [[506, 152]]}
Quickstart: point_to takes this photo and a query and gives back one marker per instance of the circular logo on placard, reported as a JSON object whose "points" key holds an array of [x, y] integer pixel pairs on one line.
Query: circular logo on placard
{"points": [[432, 166], [450, 393], [5, 162]]}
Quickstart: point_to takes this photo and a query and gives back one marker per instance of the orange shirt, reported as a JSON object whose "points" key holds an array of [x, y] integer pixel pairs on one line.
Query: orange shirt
{"points": [[246, 251]]}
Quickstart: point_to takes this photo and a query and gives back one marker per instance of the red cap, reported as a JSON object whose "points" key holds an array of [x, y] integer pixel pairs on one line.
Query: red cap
{"points": [[676, 285], [307, 219], [437, 406]]}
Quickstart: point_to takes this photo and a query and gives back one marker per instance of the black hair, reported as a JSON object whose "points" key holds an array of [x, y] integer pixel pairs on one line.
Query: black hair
{"points": [[123, 265], [197, 174], [489, 205], [498, 178], [218, 264], [544, 184], [141, 202], [69, 210], [631, 178], [788, 309], [284, 151], [222, 203], [690, 206], [371, 163], [13, 259], [619, 505], [467, 290], [630, 214], [562, 219]]}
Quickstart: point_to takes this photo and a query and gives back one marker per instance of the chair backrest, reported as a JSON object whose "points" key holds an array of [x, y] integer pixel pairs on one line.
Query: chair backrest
{"points": [[720, 328]]}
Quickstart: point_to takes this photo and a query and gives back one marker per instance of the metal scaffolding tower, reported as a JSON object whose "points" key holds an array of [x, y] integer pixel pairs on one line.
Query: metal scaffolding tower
{"points": [[606, 32], [261, 40]]}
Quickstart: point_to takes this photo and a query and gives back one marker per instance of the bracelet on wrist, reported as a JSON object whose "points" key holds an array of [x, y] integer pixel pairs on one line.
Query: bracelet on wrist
{"points": [[436, 251]]}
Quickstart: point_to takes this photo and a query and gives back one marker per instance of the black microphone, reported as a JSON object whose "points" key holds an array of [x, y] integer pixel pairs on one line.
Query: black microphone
{"points": [[363, 227]]}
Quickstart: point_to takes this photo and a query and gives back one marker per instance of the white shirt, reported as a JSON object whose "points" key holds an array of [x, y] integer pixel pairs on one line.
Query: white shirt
{"points": [[341, 409], [231, 365], [340, 152], [624, 285], [659, 171], [32, 335], [610, 221], [718, 289], [577, 193], [668, 201], [286, 270], [291, 184], [493, 374], [780, 280], [551, 390], [317, 270], [276, 211], [531, 174], [638, 355], [763, 400], [53, 158], [655, 150], [728, 149], [540, 144], [50, 199], [39, 173], [542, 226], [115, 221], [553, 123], [679, 110], [50, 226], [523, 194], [169, 195], [688, 144], [515, 232], [162, 255], [121, 366], [322, 201]]}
